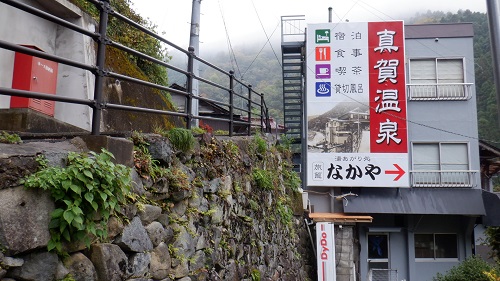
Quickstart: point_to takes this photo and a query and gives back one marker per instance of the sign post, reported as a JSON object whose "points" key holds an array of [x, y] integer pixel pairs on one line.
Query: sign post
{"points": [[325, 245]]}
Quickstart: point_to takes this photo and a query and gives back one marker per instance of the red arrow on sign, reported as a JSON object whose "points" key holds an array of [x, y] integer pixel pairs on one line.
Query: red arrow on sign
{"points": [[400, 172]]}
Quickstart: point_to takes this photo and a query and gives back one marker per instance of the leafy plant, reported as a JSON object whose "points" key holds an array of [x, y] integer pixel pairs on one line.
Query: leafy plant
{"points": [[292, 179], [264, 179], [492, 275], [285, 143], [260, 144], [285, 212], [221, 133], [145, 165], [197, 130], [493, 240], [177, 178], [9, 138], [255, 274], [181, 138], [472, 268], [87, 186]]}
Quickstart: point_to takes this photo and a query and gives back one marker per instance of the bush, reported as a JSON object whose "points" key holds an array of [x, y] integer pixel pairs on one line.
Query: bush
{"points": [[473, 268]]}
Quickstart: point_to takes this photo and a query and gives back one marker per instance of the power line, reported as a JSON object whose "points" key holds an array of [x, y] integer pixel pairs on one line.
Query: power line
{"points": [[261, 51], [229, 41], [265, 33]]}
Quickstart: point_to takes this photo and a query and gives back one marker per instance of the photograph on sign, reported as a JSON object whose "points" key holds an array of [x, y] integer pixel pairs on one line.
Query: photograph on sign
{"points": [[356, 105]]}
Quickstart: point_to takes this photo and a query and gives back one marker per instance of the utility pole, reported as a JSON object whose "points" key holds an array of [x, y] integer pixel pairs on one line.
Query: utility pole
{"points": [[493, 9], [194, 41]]}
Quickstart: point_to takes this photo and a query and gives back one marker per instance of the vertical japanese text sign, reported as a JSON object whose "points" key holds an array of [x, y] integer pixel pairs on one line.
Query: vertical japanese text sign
{"points": [[387, 88], [325, 245], [356, 105]]}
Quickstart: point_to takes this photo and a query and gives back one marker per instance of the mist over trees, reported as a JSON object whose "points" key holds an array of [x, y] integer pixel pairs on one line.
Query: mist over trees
{"points": [[264, 71], [485, 86]]}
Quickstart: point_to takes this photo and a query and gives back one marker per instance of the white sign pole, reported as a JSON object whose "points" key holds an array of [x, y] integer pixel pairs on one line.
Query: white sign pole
{"points": [[325, 244]]}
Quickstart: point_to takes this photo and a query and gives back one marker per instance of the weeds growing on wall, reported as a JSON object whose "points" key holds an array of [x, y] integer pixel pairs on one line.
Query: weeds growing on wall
{"points": [[89, 185], [9, 138], [264, 179], [181, 139], [260, 144]]}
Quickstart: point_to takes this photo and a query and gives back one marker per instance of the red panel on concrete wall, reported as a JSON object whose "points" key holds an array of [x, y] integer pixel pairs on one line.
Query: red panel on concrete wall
{"points": [[36, 75]]}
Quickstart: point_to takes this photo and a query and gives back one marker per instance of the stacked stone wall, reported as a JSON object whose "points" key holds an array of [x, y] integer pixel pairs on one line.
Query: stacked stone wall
{"points": [[218, 226]]}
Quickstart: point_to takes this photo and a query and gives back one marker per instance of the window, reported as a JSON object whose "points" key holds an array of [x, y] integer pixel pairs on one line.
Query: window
{"points": [[437, 78], [440, 164], [378, 246], [436, 246]]}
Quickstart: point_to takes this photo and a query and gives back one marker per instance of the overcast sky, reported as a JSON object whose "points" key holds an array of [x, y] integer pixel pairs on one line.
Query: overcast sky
{"points": [[241, 17]]}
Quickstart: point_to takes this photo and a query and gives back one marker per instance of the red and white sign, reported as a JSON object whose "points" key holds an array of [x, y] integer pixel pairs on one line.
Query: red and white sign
{"points": [[325, 245], [356, 105]]}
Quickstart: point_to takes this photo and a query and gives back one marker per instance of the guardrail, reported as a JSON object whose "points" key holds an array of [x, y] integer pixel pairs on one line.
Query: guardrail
{"points": [[252, 103], [443, 178], [440, 91]]}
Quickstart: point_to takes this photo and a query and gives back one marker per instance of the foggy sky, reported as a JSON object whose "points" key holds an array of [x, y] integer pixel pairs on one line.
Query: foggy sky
{"points": [[242, 16]]}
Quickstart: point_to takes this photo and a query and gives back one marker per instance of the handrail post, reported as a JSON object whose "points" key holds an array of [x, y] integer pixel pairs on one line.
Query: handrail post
{"points": [[189, 88], [249, 110], [231, 103], [262, 112], [105, 8], [268, 121]]}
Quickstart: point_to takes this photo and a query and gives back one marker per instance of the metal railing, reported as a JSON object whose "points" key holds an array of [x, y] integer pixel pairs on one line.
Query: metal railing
{"points": [[293, 28], [253, 104], [440, 91], [443, 178]]}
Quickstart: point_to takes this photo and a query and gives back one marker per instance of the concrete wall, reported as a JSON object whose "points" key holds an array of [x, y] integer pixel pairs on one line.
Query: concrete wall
{"points": [[27, 29]]}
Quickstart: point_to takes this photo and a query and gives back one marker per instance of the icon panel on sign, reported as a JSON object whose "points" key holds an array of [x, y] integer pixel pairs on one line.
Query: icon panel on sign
{"points": [[322, 36], [323, 53], [323, 71], [323, 89]]}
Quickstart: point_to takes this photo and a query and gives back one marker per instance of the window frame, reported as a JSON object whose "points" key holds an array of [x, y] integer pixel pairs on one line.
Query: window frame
{"points": [[434, 248], [438, 90], [442, 175], [440, 154]]}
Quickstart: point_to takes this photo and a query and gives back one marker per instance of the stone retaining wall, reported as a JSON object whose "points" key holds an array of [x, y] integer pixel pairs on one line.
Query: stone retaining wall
{"points": [[219, 226]]}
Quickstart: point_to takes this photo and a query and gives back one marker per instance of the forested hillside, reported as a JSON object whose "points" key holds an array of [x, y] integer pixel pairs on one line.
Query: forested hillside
{"points": [[485, 87], [264, 72], [261, 69]]}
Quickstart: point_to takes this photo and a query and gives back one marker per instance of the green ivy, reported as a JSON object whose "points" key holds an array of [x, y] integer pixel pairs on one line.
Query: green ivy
{"points": [[89, 185]]}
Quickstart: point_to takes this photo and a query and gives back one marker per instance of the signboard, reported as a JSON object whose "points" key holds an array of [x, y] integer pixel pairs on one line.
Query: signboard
{"points": [[325, 245], [356, 105]]}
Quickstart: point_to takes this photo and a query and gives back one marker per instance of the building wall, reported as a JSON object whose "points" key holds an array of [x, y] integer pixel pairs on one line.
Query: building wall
{"points": [[401, 244], [458, 116], [25, 28]]}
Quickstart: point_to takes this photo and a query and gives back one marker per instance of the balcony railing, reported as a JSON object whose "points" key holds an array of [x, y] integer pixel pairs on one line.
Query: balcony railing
{"points": [[440, 91], [447, 178]]}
